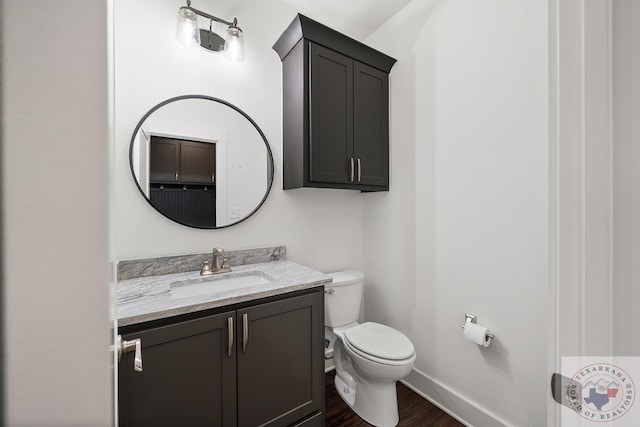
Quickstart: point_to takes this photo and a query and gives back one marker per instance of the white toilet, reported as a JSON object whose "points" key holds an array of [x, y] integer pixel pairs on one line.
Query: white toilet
{"points": [[369, 358]]}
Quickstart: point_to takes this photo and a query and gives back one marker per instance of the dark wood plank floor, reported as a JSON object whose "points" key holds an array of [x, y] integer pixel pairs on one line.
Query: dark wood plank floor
{"points": [[414, 411]]}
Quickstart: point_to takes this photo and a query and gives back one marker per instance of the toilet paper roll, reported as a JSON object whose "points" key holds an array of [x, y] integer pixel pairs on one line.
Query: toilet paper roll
{"points": [[477, 334]]}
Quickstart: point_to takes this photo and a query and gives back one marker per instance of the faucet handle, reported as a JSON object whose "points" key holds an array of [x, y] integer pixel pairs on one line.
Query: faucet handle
{"points": [[206, 269], [225, 263]]}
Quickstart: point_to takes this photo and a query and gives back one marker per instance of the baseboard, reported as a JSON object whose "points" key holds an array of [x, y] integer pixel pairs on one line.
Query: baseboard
{"points": [[328, 365], [450, 402]]}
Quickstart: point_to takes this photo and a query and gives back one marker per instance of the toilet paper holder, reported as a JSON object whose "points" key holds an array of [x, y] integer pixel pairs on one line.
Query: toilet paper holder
{"points": [[470, 318]]}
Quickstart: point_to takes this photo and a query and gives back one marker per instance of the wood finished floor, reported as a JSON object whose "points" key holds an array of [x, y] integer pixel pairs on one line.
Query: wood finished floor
{"points": [[414, 411]]}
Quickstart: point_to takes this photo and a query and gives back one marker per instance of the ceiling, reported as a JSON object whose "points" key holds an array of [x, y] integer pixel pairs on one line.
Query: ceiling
{"points": [[356, 18]]}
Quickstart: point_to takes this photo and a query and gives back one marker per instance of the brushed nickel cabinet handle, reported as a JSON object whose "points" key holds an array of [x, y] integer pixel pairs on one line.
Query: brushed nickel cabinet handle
{"points": [[230, 329], [352, 166], [245, 332], [128, 346], [176, 176], [359, 169]]}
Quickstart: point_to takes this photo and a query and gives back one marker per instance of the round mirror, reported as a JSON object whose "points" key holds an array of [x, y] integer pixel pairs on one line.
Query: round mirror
{"points": [[201, 161]]}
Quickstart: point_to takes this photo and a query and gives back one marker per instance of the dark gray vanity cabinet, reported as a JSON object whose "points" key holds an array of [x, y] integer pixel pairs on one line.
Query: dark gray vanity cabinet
{"points": [[264, 367], [335, 109]]}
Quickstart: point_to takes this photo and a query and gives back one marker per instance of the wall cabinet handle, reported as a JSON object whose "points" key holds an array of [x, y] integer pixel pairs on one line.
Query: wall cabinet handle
{"points": [[359, 169], [129, 346], [245, 332], [230, 329], [176, 176], [351, 165]]}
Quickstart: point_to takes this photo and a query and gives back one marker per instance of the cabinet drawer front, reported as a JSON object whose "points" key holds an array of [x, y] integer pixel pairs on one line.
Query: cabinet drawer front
{"points": [[280, 373]]}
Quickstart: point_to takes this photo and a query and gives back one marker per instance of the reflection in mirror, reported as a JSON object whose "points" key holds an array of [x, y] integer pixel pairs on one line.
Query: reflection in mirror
{"points": [[201, 161]]}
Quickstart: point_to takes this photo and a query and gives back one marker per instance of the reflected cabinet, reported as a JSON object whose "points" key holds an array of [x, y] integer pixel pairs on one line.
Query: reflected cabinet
{"points": [[180, 161], [182, 180], [335, 109]]}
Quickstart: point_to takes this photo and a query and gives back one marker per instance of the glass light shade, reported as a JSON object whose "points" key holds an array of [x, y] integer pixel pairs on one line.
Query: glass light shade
{"points": [[234, 45], [187, 31]]}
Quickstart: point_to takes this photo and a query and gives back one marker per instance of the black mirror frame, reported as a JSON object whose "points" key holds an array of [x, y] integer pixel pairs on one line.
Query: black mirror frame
{"points": [[221, 101]]}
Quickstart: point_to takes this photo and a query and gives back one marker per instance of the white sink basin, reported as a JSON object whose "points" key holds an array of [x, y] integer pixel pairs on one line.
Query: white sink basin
{"points": [[226, 283]]}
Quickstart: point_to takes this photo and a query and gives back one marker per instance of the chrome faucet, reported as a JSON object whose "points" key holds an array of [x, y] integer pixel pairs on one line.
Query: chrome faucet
{"points": [[220, 264]]}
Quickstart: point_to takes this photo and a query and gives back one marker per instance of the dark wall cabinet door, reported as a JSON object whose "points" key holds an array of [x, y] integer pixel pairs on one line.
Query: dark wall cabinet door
{"points": [[188, 377], [164, 159], [371, 125], [280, 370], [331, 110], [197, 162]]}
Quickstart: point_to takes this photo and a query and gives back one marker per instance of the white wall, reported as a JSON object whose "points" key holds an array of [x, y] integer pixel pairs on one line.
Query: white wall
{"points": [[321, 228], [626, 183], [464, 228], [55, 214]]}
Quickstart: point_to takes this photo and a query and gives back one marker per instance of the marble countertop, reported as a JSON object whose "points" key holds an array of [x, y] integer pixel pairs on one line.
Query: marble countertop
{"points": [[150, 298]]}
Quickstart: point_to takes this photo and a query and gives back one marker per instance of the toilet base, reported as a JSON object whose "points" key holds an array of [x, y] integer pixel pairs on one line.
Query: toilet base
{"points": [[376, 403], [348, 394]]}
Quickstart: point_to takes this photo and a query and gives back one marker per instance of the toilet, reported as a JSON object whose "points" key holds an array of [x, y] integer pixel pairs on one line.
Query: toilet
{"points": [[369, 358]]}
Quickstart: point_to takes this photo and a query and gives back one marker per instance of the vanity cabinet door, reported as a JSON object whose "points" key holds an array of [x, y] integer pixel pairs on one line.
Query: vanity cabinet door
{"points": [[188, 377], [280, 368]]}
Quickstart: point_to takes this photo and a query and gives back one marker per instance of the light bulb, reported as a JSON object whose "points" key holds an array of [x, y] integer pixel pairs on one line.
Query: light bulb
{"points": [[234, 45], [187, 31]]}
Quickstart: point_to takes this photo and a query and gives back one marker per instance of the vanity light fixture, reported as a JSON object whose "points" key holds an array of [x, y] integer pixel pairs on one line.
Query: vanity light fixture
{"points": [[189, 34]]}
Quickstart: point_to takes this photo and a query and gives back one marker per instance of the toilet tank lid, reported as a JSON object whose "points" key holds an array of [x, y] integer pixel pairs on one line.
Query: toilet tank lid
{"points": [[347, 277]]}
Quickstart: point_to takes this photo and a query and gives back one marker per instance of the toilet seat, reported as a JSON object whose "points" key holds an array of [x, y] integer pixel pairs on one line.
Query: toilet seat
{"points": [[387, 362], [379, 343]]}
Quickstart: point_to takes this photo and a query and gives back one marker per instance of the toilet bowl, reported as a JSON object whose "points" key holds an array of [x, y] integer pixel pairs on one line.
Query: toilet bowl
{"points": [[369, 358]]}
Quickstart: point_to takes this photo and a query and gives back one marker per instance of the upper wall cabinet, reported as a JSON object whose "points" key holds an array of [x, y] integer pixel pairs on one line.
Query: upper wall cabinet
{"points": [[335, 109], [172, 160]]}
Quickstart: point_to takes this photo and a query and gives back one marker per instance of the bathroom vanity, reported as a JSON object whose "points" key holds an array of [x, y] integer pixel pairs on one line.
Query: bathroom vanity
{"points": [[237, 349]]}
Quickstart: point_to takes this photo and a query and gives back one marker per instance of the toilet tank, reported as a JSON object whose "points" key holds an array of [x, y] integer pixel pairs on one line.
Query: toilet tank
{"points": [[342, 298]]}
